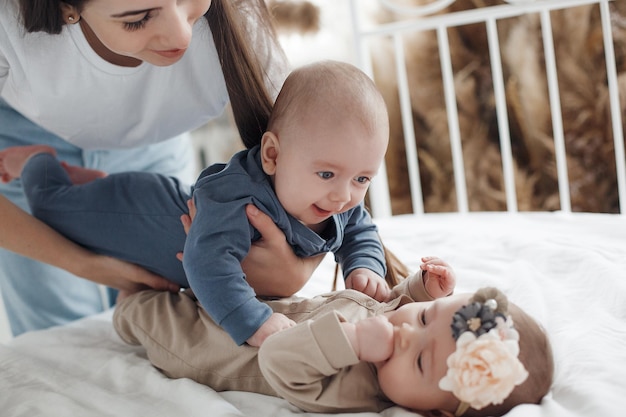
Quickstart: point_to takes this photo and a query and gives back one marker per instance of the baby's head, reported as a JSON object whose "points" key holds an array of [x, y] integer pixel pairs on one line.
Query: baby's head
{"points": [[329, 94], [326, 139], [466, 355]]}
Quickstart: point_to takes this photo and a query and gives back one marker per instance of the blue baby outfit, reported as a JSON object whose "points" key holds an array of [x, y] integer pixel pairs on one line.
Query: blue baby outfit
{"points": [[135, 216]]}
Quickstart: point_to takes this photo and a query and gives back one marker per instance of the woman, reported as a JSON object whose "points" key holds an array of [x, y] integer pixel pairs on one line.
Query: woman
{"points": [[116, 85]]}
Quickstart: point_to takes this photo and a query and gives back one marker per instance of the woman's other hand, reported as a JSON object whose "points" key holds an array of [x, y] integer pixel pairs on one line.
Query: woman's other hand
{"points": [[125, 276], [271, 267]]}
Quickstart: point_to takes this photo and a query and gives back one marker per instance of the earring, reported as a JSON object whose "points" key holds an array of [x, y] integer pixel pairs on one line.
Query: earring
{"points": [[71, 18]]}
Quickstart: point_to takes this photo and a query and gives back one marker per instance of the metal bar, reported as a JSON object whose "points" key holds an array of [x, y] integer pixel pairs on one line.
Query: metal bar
{"points": [[502, 115], [417, 10], [453, 119], [407, 125], [489, 16], [479, 15], [616, 116], [380, 199], [555, 109]]}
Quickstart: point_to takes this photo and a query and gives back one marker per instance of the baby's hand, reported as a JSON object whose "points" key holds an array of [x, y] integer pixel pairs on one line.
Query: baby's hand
{"points": [[274, 324], [371, 338], [439, 278], [368, 282]]}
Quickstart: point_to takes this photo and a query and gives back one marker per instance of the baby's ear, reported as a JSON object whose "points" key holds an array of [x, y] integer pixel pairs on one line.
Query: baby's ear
{"points": [[269, 152]]}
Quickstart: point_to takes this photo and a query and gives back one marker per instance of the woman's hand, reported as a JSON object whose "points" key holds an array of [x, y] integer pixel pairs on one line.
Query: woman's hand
{"points": [[271, 267], [186, 220], [124, 276]]}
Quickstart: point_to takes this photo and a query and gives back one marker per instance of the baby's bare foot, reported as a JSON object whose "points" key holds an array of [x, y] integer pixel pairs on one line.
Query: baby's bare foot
{"points": [[12, 159], [80, 175]]}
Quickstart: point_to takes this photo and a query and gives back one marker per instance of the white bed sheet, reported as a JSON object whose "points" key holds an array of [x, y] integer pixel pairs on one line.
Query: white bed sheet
{"points": [[568, 270]]}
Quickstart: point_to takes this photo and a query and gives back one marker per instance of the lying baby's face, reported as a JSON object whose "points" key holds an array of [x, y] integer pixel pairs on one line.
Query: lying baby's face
{"points": [[422, 343]]}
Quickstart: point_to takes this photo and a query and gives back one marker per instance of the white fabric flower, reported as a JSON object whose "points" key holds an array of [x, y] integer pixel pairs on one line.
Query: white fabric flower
{"points": [[484, 370]]}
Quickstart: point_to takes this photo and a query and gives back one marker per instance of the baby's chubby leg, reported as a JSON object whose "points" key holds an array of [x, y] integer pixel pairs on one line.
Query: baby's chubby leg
{"points": [[13, 160]]}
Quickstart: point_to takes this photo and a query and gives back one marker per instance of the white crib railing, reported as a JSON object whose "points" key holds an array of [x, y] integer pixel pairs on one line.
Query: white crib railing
{"points": [[423, 18]]}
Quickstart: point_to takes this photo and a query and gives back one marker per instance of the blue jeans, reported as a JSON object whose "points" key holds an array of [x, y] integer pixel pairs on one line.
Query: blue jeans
{"points": [[36, 295]]}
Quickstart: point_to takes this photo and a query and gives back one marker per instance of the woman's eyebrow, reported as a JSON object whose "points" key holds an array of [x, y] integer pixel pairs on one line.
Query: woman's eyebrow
{"points": [[130, 13]]}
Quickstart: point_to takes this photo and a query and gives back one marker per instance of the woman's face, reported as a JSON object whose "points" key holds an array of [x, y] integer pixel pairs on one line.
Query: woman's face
{"points": [[155, 31]]}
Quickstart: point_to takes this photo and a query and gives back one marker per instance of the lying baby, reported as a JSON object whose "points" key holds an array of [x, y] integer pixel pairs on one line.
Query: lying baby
{"points": [[435, 353]]}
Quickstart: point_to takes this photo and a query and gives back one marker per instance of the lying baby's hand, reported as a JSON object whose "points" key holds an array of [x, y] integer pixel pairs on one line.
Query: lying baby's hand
{"points": [[274, 324], [439, 277], [371, 338], [369, 283]]}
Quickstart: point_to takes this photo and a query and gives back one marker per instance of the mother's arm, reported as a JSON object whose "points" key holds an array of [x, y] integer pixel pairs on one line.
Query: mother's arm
{"points": [[27, 236]]}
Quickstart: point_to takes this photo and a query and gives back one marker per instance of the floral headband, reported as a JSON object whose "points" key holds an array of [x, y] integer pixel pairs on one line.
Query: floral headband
{"points": [[485, 368]]}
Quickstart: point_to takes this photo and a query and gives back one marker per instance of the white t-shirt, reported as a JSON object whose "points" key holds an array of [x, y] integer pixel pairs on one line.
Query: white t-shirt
{"points": [[61, 84]]}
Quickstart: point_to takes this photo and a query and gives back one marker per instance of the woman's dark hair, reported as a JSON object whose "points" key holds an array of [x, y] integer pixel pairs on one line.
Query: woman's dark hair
{"points": [[45, 15], [245, 41], [242, 52]]}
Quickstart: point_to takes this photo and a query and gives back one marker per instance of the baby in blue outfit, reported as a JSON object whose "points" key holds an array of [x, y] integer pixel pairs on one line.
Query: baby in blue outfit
{"points": [[325, 140]]}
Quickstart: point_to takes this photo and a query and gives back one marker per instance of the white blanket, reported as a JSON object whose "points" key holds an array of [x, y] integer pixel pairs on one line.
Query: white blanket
{"points": [[569, 271]]}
